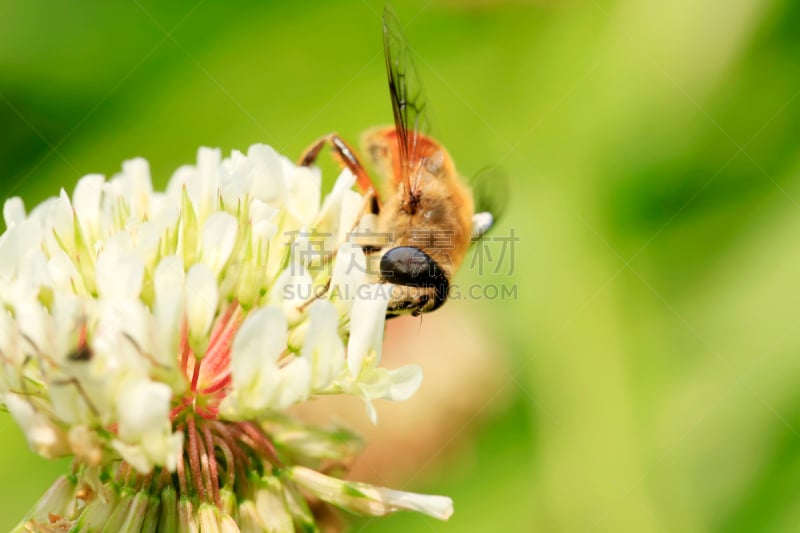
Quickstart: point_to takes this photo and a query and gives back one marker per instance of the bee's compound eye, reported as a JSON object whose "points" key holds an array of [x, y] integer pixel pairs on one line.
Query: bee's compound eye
{"points": [[407, 265], [410, 266]]}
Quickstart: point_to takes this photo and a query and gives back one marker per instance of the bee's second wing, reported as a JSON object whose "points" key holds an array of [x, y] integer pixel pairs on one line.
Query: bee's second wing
{"points": [[490, 192]]}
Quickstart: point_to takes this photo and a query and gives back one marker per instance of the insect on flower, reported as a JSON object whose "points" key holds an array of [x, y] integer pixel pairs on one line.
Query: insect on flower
{"points": [[159, 336], [422, 227]]}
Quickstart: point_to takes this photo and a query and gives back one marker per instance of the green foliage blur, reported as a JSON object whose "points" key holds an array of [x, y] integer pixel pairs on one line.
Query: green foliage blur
{"points": [[653, 150]]}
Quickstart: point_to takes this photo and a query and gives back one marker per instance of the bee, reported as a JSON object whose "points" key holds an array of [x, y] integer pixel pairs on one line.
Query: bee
{"points": [[427, 217]]}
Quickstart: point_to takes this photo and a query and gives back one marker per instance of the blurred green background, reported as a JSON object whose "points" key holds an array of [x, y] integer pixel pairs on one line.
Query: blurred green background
{"points": [[654, 161]]}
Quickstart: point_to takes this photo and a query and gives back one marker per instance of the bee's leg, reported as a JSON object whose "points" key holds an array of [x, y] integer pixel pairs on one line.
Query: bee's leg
{"points": [[371, 205], [410, 266], [316, 296], [346, 156]]}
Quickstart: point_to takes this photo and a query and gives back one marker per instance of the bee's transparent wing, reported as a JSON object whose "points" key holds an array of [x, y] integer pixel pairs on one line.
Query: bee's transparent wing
{"points": [[490, 191], [408, 98]]}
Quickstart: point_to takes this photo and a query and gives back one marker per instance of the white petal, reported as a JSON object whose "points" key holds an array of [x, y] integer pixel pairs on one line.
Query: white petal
{"points": [[203, 189], [43, 436], [208, 518], [270, 506], [201, 299], [366, 325], [69, 316], [235, 179], [119, 274], [59, 224], [257, 345], [87, 194], [349, 273], [8, 253], [262, 336], [87, 202], [133, 454], [268, 181], [146, 241], [182, 175], [261, 212], [352, 206], [323, 346], [372, 413], [137, 186], [13, 211], [262, 229], [70, 405], [158, 449], [30, 234], [9, 339], [380, 383], [143, 407], [121, 338], [35, 326], [304, 193], [295, 383], [219, 236], [175, 449], [169, 279], [293, 288], [64, 274], [163, 447], [36, 272], [403, 382], [328, 218], [367, 499], [85, 444]]}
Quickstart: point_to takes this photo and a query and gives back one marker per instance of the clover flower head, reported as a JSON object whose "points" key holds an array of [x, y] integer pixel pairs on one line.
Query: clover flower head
{"points": [[158, 337]]}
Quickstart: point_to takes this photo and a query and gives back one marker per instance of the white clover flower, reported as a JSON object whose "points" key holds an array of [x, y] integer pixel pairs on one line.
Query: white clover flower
{"points": [[158, 336]]}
